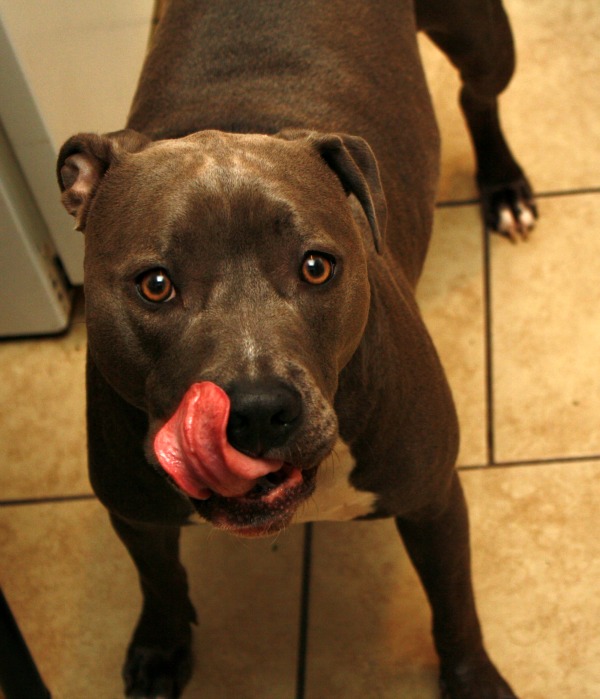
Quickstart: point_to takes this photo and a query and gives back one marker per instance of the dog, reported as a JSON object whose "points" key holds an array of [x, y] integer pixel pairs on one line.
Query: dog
{"points": [[253, 241]]}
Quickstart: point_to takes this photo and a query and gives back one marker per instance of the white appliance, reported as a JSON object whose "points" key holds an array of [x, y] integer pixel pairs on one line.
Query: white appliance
{"points": [[64, 67], [35, 297]]}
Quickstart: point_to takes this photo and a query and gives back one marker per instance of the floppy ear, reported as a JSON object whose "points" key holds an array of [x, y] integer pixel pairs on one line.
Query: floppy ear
{"points": [[82, 163], [353, 161]]}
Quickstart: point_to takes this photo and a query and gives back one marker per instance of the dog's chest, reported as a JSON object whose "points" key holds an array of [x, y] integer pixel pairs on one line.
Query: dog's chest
{"points": [[335, 499]]}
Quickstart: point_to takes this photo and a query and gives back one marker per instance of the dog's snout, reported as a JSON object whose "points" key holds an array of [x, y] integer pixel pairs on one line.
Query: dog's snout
{"points": [[263, 415]]}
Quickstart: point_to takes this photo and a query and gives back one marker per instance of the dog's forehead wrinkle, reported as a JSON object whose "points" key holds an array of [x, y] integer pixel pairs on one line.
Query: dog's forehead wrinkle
{"points": [[225, 162], [189, 160], [237, 176], [217, 149], [238, 186]]}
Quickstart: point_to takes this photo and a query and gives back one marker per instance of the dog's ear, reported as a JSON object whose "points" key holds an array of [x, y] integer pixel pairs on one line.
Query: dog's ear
{"points": [[354, 163], [82, 163]]}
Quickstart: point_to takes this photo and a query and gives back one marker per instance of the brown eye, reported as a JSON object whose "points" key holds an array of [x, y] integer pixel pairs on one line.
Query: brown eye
{"points": [[155, 286], [317, 268]]}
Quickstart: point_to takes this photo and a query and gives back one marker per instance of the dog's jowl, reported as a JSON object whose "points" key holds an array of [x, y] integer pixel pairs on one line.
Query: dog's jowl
{"points": [[253, 241]]}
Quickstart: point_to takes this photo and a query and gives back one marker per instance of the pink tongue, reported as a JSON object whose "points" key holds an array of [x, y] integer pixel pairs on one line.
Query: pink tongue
{"points": [[193, 449]]}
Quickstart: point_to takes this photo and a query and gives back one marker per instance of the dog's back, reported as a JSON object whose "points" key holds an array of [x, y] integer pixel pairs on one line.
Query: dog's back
{"points": [[344, 66]]}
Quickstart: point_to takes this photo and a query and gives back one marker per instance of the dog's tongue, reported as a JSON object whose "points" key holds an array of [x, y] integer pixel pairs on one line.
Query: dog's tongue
{"points": [[193, 449]]}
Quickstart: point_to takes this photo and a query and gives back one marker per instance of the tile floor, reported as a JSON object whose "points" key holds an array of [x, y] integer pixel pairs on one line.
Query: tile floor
{"points": [[518, 328]]}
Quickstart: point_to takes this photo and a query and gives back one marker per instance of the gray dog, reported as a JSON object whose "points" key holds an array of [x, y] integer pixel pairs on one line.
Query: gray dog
{"points": [[253, 241]]}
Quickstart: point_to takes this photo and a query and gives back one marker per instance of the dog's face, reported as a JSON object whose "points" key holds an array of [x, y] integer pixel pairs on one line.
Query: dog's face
{"points": [[226, 287]]}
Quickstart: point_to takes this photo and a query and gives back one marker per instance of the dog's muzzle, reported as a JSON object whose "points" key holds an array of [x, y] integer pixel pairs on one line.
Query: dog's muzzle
{"points": [[213, 448]]}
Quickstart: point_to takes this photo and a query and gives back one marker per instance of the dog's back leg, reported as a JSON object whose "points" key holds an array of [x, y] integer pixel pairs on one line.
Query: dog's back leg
{"points": [[158, 662], [439, 550], [476, 37]]}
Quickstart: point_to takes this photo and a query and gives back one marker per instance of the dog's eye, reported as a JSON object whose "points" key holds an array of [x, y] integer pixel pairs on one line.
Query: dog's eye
{"points": [[155, 286], [317, 268]]}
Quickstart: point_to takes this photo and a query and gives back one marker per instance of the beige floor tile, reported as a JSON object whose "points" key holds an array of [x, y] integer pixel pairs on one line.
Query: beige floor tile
{"points": [[546, 335], [247, 594], [451, 298], [42, 403], [549, 111], [74, 592], [537, 565], [369, 622]]}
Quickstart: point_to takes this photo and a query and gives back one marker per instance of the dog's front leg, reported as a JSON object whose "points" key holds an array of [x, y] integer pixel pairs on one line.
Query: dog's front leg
{"points": [[439, 549], [158, 662]]}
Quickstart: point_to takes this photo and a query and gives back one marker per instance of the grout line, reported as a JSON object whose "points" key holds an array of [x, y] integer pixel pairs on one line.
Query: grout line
{"points": [[46, 501], [453, 203], [304, 611], [487, 340], [532, 462], [567, 192]]}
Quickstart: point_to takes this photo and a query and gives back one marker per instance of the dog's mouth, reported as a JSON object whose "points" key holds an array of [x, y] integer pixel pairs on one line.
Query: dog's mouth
{"points": [[248, 496], [270, 487], [265, 509]]}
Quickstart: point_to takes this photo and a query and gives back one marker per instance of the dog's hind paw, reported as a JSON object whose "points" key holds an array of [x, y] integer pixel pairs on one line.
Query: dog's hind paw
{"points": [[150, 673], [474, 680], [509, 209]]}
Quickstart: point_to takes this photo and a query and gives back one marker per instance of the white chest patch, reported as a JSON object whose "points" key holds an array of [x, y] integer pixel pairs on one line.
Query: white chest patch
{"points": [[335, 499]]}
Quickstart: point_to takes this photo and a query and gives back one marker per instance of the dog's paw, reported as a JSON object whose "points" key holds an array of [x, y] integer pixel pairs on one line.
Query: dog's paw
{"points": [[509, 209], [150, 673], [477, 679]]}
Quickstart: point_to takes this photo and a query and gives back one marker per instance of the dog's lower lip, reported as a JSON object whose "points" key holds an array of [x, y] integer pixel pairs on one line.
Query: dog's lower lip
{"points": [[267, 487], [259, 515]]}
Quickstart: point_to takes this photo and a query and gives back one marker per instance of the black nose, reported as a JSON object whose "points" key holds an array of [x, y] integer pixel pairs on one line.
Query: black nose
{"points": [[263, 415]]}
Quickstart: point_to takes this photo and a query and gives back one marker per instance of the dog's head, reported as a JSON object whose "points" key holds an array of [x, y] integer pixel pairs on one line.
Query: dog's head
{"points": [[226, 288]]}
